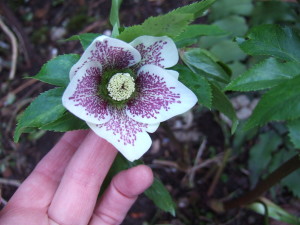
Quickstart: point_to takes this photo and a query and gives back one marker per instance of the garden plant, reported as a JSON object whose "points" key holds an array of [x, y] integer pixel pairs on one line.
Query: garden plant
{"points": [[207, 93]]}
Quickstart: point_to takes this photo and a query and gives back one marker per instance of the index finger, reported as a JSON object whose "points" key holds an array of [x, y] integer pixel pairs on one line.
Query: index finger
{"points": [[76, 196]]}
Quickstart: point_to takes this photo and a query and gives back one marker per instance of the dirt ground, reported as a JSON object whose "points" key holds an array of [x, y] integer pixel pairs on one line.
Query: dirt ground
{"points": [[39, 26]]}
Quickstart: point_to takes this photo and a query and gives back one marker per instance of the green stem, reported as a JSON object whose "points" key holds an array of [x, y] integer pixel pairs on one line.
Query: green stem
{"points": [[284, 170]]}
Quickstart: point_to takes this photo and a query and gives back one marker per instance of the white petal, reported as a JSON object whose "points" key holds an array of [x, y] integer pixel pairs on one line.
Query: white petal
{"points": [[110, 52], [159, 51], [127, 135], [152, 127], [81, 96], [160, 98], [173, 73]]}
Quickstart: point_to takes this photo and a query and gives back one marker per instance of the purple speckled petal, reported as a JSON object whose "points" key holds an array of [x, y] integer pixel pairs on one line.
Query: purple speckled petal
{"points": [[81, 96], [160, 96], [109, 52], [159, 51], [127, 135]]}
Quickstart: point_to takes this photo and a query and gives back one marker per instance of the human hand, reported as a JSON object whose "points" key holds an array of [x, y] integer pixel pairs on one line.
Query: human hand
{"points": [[63, 188]]}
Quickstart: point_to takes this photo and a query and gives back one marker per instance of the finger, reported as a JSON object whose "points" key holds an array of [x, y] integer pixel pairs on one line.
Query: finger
{"points": [[39, 188], [77, 193], [121, 194]]}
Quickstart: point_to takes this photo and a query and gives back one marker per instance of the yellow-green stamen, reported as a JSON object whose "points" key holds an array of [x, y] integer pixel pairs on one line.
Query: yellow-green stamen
{"points": [[121, 86]]}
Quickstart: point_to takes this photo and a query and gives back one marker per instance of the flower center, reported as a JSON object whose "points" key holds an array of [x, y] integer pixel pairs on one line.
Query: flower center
{"points": [[121, 86]]}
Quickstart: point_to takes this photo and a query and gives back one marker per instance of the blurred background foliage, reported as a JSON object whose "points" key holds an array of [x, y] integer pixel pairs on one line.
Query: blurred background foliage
{"points": [[195, 154]]}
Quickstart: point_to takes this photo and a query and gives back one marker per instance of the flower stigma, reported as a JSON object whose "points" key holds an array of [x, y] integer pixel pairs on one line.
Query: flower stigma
{"points": [[121, 86]]}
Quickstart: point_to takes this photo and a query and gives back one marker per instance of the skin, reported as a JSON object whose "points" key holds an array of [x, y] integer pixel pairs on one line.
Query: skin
{"points": [[64, 186]]}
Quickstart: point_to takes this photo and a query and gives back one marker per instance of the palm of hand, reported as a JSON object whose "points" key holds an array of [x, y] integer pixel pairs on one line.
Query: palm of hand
{"points": [[64, 186]]}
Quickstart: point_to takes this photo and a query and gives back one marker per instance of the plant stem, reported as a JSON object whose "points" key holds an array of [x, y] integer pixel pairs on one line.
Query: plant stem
{"points": [[219, 172], [284, 170]]}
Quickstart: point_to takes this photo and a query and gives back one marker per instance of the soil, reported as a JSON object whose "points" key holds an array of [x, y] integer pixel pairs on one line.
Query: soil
{"points": [[40, 25]]}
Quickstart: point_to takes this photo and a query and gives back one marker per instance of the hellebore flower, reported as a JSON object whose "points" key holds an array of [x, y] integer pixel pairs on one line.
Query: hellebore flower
{"points": [[123, 90]]}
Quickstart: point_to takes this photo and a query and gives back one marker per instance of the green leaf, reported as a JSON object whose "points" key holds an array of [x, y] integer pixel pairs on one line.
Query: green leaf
{"points": [[228, 51], [266, 74], [67, 122], [237, 69], [171, 24], [56, 71], [157, 192], [223, 104], [85, 39], [166, 25], [292, 182], [272, 12], [294, 132], [197, 8], [198, 84], [261, 155], [114, 17], [280, 103], [234, 25], [274, 211], [202, 63], [223, 8], [161, 197], [46, 108], [194, 31], [279, 42]]}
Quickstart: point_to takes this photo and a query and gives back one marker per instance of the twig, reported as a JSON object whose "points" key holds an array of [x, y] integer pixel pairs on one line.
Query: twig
{"points": [[219, 172], [206, 163], [18, 89], [197, 160], [284, 170], [29, 52], [15, 183], [168, 163], [14, 45]]}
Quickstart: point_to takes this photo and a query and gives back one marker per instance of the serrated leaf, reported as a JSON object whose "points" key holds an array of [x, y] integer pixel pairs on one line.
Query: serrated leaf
{"points": [[171, 24], [201, 63], [67, 122], [166, 25], [223, 8], [292, 182], [195, 31], [266, 74], [223, 104], [261, 155], [161, 197], [198, 84], [85, 39], [280, 103], [197, 8], [46, 108], [279, 42], [56, 71], [294, 132]]}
